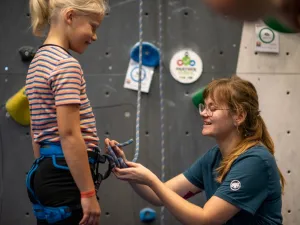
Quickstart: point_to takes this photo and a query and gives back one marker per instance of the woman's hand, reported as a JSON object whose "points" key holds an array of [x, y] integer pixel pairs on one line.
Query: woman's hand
{"points": [[117, 150], [136, 173]]}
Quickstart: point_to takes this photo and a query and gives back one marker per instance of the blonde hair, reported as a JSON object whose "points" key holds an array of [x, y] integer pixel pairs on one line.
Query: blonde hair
{"points": [[43, 11], [241, 96]]}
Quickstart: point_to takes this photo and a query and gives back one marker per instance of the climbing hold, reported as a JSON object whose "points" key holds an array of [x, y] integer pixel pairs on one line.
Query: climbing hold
{"points": [[147, 215], [27, 53], [277, 26], [197, 97], [150, 54], [18, 108]]}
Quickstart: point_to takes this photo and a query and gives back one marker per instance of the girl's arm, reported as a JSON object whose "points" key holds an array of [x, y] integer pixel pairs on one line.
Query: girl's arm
{"points": [[35, 146]]}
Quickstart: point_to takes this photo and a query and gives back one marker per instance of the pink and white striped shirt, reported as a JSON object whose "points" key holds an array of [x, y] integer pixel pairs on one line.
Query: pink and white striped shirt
{"points": [[56, 78]]}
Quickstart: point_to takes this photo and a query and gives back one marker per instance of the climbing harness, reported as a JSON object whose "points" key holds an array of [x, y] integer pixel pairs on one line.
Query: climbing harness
{"points": [[54, 151]]}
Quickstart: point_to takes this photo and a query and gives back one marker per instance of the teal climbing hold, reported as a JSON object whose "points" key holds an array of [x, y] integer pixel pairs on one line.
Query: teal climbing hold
{"points": [[147, 215], [277, 26]]}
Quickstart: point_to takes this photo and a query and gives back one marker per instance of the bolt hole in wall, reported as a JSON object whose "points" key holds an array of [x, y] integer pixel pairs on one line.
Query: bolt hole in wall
{"points": [[146, 14], [107, 214], [107, 93], [289, 172], [287, 53], [107, 134], [187, 133], [147, 133], [288, 132], [27, 214], [127, 114], [289, 211], [288, 92]]}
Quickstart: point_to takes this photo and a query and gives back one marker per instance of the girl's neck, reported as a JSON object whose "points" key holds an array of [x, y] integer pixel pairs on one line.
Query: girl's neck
{"points": [[58, 37]]}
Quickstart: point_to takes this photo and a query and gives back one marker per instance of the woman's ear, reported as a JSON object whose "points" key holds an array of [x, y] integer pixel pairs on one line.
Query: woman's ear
{"points": [[239, 118]]}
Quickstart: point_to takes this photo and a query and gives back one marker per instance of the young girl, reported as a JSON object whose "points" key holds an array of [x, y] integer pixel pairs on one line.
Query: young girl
{"points": [[60, 183], [239, 175]]}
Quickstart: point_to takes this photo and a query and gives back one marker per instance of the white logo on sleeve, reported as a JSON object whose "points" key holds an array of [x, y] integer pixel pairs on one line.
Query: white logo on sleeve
{"points": [[235, 185]]}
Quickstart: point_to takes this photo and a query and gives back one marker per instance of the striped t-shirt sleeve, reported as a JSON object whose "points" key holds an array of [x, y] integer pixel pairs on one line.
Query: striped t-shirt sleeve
{"points": [[66, 82]]}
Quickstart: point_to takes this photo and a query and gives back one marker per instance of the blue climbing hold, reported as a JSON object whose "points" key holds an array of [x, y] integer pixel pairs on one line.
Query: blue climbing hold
{"points": [[150, 54], [147, 215]]}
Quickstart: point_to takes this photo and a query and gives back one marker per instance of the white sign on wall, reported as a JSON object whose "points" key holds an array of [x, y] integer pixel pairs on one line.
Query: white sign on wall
{"points": [[132, 77], [186, 66], [267, 40]]}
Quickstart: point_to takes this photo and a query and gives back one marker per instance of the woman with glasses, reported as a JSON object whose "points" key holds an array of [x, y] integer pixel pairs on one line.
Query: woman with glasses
{"points": [[239, 175]]}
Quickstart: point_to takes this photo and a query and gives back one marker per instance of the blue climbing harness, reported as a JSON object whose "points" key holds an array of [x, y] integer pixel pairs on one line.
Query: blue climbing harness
{"points": [[54, 151]]}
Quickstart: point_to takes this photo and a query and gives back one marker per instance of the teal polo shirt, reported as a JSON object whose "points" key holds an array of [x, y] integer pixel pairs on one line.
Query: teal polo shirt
{"points": [[252, 184]]}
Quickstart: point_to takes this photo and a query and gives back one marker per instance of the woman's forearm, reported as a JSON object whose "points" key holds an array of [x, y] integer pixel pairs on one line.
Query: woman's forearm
{"points": [[185, 212], [146, 193]]}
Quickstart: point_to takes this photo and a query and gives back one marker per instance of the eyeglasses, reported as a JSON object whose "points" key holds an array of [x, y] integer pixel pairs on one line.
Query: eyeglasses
{"points": [[209, 110]]}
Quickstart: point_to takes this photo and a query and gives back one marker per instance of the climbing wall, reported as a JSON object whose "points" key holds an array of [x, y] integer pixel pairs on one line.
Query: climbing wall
{"points": [[187, 24], [276, 77]]}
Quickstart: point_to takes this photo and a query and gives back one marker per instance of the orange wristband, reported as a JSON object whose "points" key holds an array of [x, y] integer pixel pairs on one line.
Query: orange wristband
{"points": [[87, 194]]}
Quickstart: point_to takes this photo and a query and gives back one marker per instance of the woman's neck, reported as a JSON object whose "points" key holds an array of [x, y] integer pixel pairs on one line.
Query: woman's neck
{"points": [[228, 143]]}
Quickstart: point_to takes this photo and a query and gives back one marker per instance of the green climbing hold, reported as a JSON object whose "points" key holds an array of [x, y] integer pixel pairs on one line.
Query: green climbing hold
{"points": [[277, 26], [197, 97]]}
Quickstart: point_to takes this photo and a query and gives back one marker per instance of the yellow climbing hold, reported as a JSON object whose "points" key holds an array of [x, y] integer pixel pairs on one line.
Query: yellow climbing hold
{"points": [[18, 108]]}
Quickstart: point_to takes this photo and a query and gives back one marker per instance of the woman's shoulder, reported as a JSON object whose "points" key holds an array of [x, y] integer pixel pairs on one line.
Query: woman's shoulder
{"points": [[212, 154], [260, 151], [258, 154]]}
